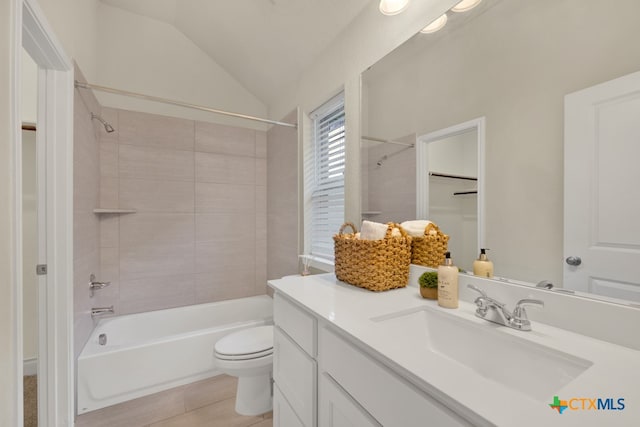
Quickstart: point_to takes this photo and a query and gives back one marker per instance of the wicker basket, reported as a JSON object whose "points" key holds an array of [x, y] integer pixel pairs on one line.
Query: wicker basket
{"points": [[429, 250], [377, 265]]}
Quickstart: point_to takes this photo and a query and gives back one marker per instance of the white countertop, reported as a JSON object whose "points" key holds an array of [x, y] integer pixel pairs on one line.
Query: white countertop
{"points": [[615, 372]]}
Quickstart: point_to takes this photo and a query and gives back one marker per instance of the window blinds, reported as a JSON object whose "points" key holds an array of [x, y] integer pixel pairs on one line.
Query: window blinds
{"points": [[327, 186]]}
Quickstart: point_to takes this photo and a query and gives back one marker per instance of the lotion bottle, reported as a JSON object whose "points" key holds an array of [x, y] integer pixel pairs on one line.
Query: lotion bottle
{"points": [[482, 266], [448, 283]]}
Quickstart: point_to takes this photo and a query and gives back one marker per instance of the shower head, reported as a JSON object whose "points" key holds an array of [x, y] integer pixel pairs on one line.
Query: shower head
{"points": [[387, 156], [106, 124]]}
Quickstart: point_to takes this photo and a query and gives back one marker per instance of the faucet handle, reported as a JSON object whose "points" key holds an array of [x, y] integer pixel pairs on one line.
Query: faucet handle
{"points": [[482, 302], [477, 289], [95, 285], [519, 312]]}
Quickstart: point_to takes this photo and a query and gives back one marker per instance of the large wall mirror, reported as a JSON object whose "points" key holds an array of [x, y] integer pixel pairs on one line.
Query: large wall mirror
{"points": [[511, 62]]}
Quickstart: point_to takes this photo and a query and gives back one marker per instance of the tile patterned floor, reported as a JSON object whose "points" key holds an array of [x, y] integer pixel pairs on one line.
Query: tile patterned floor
{"points": [[207, 403]]}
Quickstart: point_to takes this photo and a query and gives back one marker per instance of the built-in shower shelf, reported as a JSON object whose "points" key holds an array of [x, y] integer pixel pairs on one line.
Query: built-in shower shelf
{"points": [[113, 211], [369, 213]]}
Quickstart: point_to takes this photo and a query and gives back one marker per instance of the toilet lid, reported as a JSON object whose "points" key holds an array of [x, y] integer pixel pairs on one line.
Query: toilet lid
{"points": [[251, 341]]}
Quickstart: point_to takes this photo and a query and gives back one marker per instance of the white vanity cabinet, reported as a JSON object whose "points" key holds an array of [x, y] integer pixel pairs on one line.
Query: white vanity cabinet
{"points": [[294, 365], [322, 379]]}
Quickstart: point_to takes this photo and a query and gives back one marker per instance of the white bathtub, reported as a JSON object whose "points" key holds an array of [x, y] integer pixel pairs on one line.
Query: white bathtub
{"points": [[149, 352]]}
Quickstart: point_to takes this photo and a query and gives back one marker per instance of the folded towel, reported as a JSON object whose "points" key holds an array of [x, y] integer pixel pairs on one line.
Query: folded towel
{"points": [[376, 231], [416, 227]]}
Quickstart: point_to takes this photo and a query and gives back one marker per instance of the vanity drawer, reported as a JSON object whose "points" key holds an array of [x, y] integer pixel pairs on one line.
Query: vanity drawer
{"points": [[390, 399], [297, 323], [294, 373]]}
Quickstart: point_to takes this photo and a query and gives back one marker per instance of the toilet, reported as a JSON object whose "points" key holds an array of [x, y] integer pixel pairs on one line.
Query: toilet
{"points": [[248, 355]]}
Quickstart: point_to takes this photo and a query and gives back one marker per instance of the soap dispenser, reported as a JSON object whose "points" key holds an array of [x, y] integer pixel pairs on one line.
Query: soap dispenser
{"points": [[448, 283], [482, 266]]}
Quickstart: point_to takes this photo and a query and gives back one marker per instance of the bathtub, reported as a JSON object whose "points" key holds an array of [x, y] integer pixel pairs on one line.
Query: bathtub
{"points": [[149, 352]]}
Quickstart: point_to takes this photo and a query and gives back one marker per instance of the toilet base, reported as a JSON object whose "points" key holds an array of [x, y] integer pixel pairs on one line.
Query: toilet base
{"points": [[254, 396]]}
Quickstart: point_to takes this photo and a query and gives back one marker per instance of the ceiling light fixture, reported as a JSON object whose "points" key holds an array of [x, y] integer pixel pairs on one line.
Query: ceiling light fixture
{"points": [[393, 7], [436, 25], [465, 5]]}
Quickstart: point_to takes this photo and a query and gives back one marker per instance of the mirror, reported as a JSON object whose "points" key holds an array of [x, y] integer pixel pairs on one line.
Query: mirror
{"points": [[449, 175], [512, 62]]}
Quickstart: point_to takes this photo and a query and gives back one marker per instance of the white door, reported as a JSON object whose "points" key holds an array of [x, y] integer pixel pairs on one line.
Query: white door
{"points": [[602, 189]]}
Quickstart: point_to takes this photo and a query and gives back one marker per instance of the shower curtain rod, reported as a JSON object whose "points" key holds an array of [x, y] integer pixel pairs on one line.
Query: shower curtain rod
{"points": [[371, 138], [82, 85]]}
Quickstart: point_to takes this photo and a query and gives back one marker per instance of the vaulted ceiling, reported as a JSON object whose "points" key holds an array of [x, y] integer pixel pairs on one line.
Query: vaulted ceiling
{"points": [[264, 44]]}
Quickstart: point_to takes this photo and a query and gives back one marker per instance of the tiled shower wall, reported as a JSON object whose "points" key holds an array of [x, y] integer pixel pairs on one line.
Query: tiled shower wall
{"points": [[282, 199], [199, 231], [391, 187]]}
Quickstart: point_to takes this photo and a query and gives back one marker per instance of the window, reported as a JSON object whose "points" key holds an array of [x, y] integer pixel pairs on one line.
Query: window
{"points": [[325, 180]]}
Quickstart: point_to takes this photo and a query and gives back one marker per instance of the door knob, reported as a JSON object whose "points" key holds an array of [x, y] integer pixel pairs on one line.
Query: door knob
{"points": [[574, 260]]}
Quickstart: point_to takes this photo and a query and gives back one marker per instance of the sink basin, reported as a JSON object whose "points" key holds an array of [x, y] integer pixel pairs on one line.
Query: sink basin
{"points": [[523, 366]]}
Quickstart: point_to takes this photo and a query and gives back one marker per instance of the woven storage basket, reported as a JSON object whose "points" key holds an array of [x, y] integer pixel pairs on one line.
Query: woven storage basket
{"points": [[376, 265], [429, 250]]}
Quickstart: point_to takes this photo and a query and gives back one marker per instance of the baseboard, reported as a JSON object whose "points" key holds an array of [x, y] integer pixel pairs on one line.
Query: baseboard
{"points": [[30, 366]]}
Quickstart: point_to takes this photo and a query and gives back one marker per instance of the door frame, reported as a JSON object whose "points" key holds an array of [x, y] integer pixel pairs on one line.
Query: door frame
{"points": [[422, 169], [55, 145]]}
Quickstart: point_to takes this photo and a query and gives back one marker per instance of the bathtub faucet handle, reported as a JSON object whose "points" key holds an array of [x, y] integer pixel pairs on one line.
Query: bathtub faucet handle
{"points": [[94, 285]]}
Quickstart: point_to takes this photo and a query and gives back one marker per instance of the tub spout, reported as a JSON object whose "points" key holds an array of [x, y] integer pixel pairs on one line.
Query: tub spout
{"points": [[98, 311]]}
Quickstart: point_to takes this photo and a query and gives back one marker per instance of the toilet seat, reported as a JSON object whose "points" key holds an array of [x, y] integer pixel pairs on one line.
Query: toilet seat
{"points": [[247, 344], [251, 356]]}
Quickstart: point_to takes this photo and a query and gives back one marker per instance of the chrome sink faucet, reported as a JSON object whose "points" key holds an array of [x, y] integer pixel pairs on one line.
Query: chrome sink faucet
{"points": [[494, 311]]}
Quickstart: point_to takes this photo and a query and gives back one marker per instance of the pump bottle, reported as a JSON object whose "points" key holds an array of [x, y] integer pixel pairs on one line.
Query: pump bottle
{"points": [[448, 283], [482, 266]]}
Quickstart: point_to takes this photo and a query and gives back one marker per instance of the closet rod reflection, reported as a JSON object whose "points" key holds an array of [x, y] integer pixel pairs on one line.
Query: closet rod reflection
{"points": [[82, 85], [446, 175]]}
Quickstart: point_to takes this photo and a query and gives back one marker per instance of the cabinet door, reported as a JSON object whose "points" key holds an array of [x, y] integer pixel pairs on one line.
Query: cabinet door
{"points": [[283, 415], [294, 372], [337, 409]]}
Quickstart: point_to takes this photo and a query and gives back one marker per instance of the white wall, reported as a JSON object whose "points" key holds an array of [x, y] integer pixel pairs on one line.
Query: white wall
{"points": [[455, 155], [29, 247], [368, 38], [29, 98], [143, 55], [120, 49], [74, 23]]}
